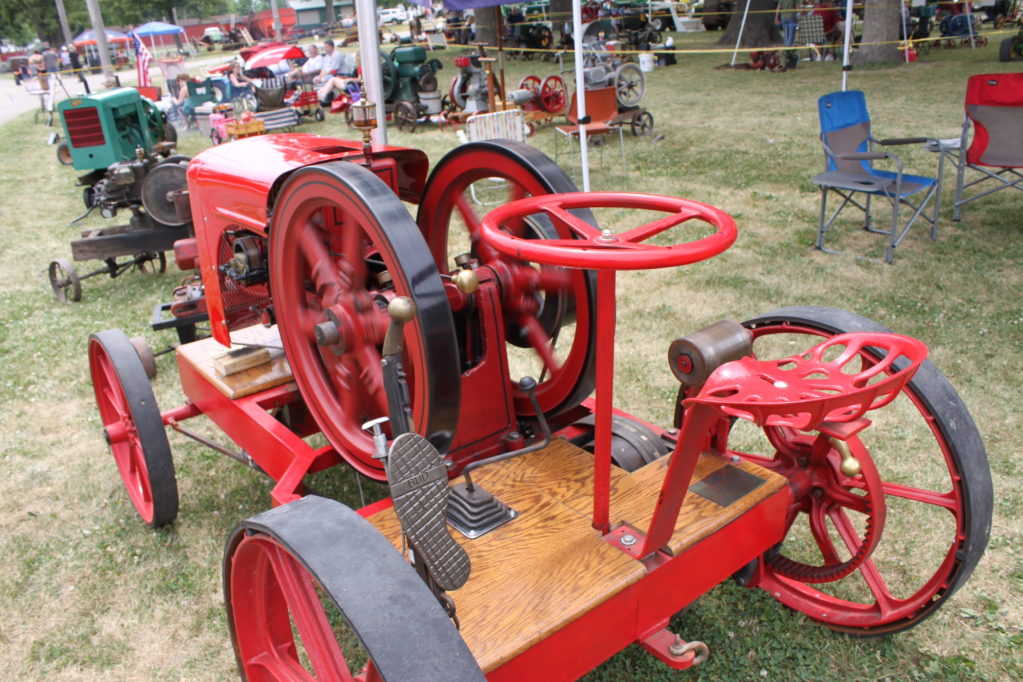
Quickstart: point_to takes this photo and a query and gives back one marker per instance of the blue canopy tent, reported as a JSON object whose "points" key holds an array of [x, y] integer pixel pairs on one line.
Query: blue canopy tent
{"points": [[366, 15], [156, 28]]}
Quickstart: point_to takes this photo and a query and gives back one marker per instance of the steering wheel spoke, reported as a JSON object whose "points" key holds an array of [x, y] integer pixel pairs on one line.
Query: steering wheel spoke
{"points": [[641, 234]]}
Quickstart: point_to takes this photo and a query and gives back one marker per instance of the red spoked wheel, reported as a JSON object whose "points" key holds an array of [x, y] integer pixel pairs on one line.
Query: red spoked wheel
{"points": [[932, 469], [549, 313], [591, 10], [336, 229], [553, 96], [314, 592], [533, 84], [133, 427]]}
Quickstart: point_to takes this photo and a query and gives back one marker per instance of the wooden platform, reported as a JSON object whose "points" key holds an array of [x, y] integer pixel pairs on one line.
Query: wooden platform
{"points": [[547, 567], [274, 373]]}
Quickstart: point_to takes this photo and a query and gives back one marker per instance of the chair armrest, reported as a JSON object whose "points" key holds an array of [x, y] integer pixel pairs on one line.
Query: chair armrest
{"points": [[863, 156], [902, 141]]}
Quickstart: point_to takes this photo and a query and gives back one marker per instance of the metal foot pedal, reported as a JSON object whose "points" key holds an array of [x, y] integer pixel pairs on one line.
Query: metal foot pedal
{"points": [[419, 488], [476, 512]]}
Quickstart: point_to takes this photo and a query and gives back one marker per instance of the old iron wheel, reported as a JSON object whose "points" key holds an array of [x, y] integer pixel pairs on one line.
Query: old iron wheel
{"points": [[64, 280], [642, 124], [64, 154], [126, 403], [553, 97], [334, 227], [146, 356], [1007, 51], [405, 115], [630, 84], [527, 173], [929, 405], [542, 37], [146, 262], [294, 574], [532, 83]]}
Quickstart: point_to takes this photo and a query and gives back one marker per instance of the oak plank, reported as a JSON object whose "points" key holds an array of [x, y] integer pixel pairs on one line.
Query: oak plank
{"points": [[200, 355]]}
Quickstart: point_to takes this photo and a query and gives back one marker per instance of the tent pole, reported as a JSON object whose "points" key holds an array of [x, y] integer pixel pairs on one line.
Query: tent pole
{"points": [[742, 27], [580, 91], [969, 16], [846, 68], [905, 31], [372, 74]]}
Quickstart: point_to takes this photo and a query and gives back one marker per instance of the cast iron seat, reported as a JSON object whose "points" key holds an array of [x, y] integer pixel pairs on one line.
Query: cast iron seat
{"points": [[805, 391]]}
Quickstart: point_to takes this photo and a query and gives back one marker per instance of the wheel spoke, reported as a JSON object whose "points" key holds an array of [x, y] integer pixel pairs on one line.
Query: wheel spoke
{"points": [[570, 222], [469, 217], [321, 265], [946, 500], [643, 233], [320, 643], [819, 528], [869, 571], [354, 243], [553, 279], [540, 342], [372, 377]]}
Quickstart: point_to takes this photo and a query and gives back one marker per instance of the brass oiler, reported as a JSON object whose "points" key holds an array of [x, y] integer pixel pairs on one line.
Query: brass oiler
{"points": [[850, 465], [466, 281]]}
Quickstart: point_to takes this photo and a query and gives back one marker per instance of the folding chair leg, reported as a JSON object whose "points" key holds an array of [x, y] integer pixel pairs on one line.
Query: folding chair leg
{"points": [[961, 171], [937, 194], [820, 222], [889, 254], [866, 223], [621, 139]]}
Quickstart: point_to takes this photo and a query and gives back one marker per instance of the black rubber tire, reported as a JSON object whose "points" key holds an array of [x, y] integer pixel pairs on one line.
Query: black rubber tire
{"points": [[145, 414], [170, 133], [957, 427], [67, 287], [554, 180], [1005, 50], [384, 602], [318, 115], [64, 154], [413, 268]]}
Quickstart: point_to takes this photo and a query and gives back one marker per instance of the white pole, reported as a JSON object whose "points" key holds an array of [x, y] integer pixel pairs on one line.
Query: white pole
{"points": [[742, 27], [372, 74], [848, 40], [580, 90], [276, 19], [905, 31]]}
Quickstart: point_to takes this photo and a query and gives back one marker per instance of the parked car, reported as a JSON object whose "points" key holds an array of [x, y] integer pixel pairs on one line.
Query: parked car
{"points": [[213, 33], [392, 15]]}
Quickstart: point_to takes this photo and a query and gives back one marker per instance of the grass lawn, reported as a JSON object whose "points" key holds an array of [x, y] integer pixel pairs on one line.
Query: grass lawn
{"points": [[87, 592]]}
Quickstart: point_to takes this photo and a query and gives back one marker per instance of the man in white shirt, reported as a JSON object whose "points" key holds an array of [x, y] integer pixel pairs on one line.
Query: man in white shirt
{"points": [[332, 60], [311, 68]]}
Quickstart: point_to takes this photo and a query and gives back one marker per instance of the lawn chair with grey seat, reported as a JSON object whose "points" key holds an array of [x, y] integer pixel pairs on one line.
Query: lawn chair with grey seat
{"points": [[848, 153], [994, 105]]}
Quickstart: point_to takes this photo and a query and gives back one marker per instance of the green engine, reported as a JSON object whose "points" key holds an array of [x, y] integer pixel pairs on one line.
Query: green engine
{"points": [[412, 74], [107, 127]]}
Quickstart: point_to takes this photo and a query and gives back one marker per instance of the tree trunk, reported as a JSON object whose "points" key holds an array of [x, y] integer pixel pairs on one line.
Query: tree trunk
{"points": [[559, 15], [880, 25], [486, 25], [760, 30], [331, 18]]}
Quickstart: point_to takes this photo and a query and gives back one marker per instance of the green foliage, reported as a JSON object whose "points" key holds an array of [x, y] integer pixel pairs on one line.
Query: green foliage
{"points": [[23, 20]]}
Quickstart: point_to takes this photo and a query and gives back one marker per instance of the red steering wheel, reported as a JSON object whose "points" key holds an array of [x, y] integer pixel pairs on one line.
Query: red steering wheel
{"points": [[594, 249]]}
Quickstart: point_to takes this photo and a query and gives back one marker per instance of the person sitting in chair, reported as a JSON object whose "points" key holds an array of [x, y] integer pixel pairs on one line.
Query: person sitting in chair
{"points": [[312, 67], [241, 84], [332, 60]]}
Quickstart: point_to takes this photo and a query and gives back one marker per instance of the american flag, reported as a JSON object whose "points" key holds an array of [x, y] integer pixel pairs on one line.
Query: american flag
{"points": [[142, 60]]}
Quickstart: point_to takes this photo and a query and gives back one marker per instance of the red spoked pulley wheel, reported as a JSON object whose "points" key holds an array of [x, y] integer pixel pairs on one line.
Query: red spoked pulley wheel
{"points": [[133, 427], [553, 95], [336, 229], [533, 84], [590, 11], [550, 312], [932, 469]]}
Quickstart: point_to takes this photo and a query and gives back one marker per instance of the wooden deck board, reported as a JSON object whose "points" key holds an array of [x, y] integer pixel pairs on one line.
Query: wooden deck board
{"points": [[547, 567], [533, 575], [199, 355]]}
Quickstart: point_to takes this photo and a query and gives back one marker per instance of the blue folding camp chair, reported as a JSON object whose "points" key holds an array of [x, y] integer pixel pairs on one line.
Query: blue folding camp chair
{"points": [[848, 153]]}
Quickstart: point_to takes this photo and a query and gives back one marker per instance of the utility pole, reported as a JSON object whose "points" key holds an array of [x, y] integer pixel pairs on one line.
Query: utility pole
{"points": [[101, 37], [277, 20], [64, 27]]}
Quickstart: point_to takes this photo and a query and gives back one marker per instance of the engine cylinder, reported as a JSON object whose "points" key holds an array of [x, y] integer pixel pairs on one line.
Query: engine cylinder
{"points": [[692, 358]]}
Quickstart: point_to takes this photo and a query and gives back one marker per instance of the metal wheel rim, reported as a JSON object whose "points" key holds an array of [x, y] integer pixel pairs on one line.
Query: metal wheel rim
{"points": [[64, 278]]}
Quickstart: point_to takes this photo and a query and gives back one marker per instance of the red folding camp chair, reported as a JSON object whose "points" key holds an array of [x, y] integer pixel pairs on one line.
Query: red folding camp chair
{"points": [[994, 104]]}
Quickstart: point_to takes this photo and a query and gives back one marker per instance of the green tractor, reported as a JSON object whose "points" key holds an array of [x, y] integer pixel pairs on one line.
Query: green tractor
{"points": [[122, 147], [410, 85]]}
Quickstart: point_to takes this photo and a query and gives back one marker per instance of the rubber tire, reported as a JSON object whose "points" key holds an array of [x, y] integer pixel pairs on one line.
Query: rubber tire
{"points": [[64, 154], [392, 612], [1005, 50], [956, 425], [319, 114], [145, 413], [146, 356], [73, 281]]}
